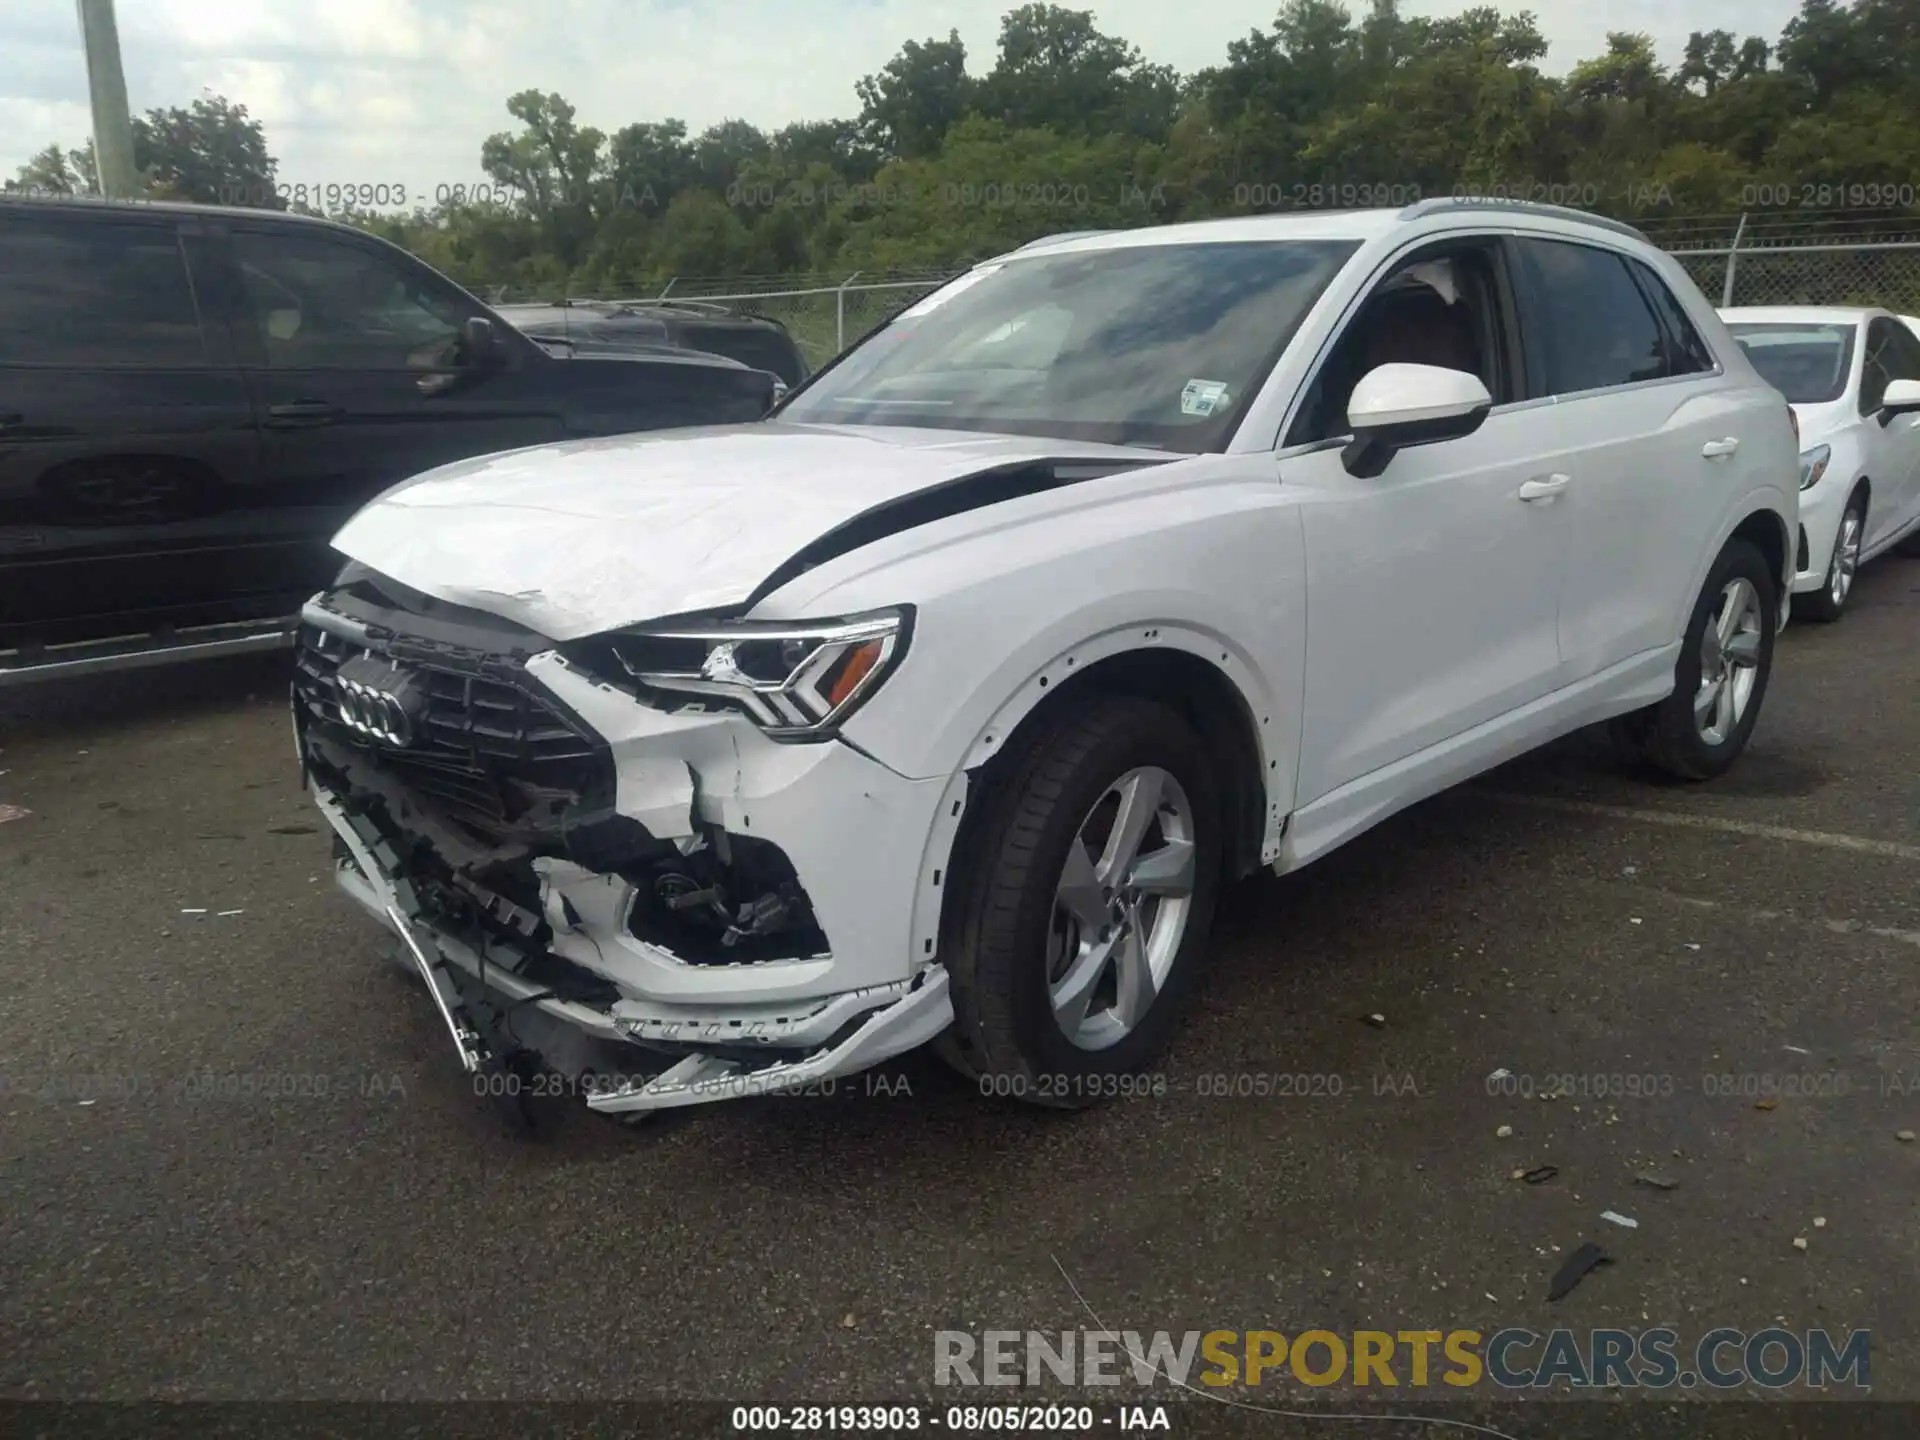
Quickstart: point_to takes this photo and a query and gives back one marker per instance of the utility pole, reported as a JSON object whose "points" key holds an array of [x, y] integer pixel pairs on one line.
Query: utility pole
{"points": [[112, 126]]}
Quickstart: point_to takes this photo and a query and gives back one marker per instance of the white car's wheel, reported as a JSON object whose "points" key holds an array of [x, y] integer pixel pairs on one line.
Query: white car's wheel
{"points": [[1829, 602], [1726, 657], [1085, 891]]}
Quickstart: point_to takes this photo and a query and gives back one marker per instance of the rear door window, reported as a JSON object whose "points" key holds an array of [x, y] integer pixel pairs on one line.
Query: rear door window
{"points": [[1590, 324], [96, 294]]}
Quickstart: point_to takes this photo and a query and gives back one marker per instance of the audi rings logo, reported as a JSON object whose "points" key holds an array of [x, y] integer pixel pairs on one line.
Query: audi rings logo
{"points": [[376, 700]]}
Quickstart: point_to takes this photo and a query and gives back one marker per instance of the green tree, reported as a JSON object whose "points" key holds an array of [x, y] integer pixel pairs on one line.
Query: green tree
{"points": [[1057, 70], [56, 172], [211, 152], [908, 106], [552, 165]]}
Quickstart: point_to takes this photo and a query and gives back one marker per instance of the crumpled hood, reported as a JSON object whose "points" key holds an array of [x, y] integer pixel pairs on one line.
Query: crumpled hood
{"points": [[586, 535]]}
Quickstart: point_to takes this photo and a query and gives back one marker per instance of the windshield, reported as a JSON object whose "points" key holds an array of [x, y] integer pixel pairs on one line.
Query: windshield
{"points": [[1161, 345], [1808, 364]]}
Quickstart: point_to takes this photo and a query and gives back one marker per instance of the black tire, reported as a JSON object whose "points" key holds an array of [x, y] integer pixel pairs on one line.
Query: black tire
{"points": [[1666, 735], [1009, 858], [1819, 604]]}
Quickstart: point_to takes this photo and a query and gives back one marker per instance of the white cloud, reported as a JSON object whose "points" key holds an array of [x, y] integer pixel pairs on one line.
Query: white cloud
{"points": [[405, 90]]}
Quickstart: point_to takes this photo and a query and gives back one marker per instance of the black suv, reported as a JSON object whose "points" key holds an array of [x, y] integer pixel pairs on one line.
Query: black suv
{"points": [[607, 326], [194, 399]]}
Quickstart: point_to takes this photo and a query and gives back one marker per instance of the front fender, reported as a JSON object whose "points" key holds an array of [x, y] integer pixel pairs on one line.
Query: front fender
{"points": [[1014, 614]]}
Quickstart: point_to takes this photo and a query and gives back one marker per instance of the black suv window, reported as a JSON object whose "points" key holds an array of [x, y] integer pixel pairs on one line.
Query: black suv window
{"points": [[322, 303], [83, 292], [1588, 323], [1686, 352]]}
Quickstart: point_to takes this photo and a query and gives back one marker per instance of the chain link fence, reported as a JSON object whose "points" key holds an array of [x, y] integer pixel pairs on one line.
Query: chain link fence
{"points": [[1887, 275], [1733, 261], [823, 320]]}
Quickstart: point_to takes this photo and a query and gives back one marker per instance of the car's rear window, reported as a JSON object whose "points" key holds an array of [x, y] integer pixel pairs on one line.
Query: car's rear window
{"points": [[1807, 363], [93, 293]]}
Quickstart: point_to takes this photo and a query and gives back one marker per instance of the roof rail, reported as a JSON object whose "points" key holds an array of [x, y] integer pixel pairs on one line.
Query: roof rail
{"points": [[1057, 239], [1449, 204]]}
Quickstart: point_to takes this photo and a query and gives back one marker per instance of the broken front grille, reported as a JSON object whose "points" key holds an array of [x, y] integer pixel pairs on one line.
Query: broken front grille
{"points": [[483, 748]]}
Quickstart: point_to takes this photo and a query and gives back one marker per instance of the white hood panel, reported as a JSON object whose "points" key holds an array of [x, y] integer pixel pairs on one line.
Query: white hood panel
{"points": [[583, 536]]}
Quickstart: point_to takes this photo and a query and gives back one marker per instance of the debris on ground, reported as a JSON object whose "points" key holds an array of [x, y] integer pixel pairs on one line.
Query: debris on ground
{"points": [[1540, 1174], [1903, 1135], [1618, 1219], [1377, 1021], [1503, 1132], [847, 1321], [1501, 1074], [1656, 1180], [13, 812], [294, 830], [1799, 1049], [1633, 919], [1691, 946], [1588, 1257], [1819, 1222], [224, 913], [193, 912], [1799, 1242], [1770, 1103]]}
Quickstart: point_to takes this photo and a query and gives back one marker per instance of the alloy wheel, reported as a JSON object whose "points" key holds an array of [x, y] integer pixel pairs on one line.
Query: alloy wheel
{"points": [[1121, 907], [1846, 559], [1729, 661]]}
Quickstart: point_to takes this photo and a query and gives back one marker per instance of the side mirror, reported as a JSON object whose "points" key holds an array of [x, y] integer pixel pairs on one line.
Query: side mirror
{"points": [[1902, 397], [479, 345], [1398, 406]]}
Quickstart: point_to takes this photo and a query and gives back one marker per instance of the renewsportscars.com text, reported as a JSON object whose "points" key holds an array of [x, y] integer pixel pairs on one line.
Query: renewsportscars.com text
{"points": [[1512, 1358]]}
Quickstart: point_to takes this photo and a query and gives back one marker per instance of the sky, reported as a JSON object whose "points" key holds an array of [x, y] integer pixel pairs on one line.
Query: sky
{"points": [[402, 92]]}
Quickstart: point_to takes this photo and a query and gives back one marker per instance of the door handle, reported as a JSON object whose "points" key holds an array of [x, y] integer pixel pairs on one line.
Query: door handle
{"points": [[1715, 449], [1544, 487], [304, 415]]}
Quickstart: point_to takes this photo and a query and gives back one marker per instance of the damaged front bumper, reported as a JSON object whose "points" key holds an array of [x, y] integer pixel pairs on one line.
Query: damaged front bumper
{"points": [[668, 909], [799, 1043]]}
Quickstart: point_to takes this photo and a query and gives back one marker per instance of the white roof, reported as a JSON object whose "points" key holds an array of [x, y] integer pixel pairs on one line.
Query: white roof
{"points": [[1798, 314], [1311, 225]]}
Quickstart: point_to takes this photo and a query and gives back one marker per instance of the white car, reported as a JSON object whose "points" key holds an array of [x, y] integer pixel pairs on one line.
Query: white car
{"points": [[1852, 376], [941, 704]]}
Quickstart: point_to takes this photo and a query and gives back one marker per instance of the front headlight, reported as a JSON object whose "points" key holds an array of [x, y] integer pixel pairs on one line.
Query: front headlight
{"points": [[795, 681], [1813, 464]]}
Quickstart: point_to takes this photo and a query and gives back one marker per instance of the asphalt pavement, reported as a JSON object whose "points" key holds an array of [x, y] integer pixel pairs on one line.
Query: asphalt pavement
{"points": [[1719, 979]]}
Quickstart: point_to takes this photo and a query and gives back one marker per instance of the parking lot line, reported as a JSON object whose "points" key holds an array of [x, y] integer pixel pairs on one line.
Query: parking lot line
{"points": [[1827, 839]]}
